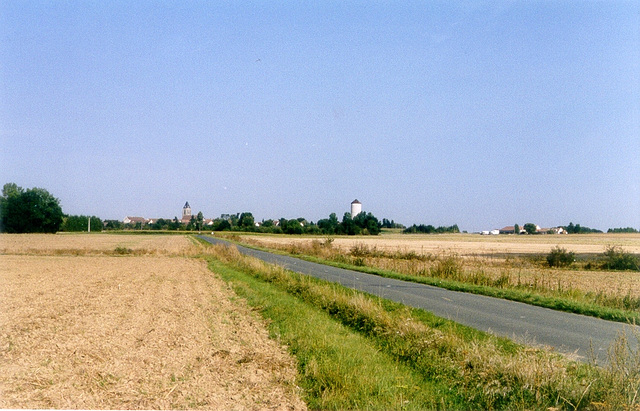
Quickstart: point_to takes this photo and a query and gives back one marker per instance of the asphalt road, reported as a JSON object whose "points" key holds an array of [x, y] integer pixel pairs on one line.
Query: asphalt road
{"points": [[572, 334]]}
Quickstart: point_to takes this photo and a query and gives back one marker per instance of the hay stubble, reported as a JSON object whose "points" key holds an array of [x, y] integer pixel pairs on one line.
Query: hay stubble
{"points": [[133, 332]]}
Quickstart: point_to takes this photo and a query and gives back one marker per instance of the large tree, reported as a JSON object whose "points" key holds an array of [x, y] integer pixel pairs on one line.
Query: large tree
{"points": [[200, 220], [33, 210], [246, 221]]}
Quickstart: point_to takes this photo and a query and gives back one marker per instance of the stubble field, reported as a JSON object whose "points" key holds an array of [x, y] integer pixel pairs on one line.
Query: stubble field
{"points": [[475, 244], [82, 328]]}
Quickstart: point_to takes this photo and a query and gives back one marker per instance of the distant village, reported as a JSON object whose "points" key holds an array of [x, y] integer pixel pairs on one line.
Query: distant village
{"points": [[188, 219]]}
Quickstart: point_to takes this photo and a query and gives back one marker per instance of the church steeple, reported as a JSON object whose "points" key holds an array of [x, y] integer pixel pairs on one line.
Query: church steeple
{"points": [[186, 210]]}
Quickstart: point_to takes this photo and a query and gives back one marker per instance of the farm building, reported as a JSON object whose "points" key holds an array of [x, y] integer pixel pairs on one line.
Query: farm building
{"points": [[508, 230]]}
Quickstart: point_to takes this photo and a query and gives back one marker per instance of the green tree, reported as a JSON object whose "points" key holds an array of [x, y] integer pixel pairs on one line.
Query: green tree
{"points": [[234, 220], [516, 229], [199, 220], [113, 225], [368, 223], [221, 224], [246, 221], [32, 211], [530, 228], [622, 230], [348, 225], [80, 223], [292, 227], [578, 229], [330, 225], [175, 224]]}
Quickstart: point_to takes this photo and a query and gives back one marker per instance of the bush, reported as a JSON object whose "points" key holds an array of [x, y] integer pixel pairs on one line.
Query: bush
{"points": [[618, 259], [448, 267], [560, 257]]}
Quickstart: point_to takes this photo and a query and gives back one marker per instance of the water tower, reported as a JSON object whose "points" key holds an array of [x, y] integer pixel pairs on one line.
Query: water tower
{"points": [[356, 208]]}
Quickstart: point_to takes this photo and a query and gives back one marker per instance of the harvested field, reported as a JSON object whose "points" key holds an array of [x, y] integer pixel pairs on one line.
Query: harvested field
{"points": [[474, 244], [133, 332], [80, 244]]}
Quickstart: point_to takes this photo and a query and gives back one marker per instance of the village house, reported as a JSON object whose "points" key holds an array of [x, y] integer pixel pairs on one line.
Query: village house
{"points": [[134, 220]]}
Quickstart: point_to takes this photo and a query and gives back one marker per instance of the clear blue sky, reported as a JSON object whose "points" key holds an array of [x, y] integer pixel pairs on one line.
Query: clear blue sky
{"points": [[483, 114]]}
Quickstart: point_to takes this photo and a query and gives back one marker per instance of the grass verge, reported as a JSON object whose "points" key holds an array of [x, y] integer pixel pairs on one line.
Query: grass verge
{"points": [[357, 351], [338, 368]]}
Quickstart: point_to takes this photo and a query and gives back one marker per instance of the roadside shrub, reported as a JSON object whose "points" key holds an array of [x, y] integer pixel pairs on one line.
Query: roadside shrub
{"points": [[560, 257], [362, 250], [615, 258], [448, 267]]}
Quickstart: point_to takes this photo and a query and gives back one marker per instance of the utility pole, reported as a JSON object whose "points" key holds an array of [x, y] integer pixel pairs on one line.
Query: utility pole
{"points": [[89, 224]]}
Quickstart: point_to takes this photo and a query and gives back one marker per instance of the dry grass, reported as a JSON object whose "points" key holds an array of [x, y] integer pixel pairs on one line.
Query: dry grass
{"points": [[135, 332]]}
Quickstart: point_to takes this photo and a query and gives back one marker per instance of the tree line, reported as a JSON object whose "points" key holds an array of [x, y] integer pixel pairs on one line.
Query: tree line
{"points": [[429, 229], [577, 229], [362, 224], [35, 210]]}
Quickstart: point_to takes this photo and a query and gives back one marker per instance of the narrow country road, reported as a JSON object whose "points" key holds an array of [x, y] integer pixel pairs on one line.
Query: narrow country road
{"points": [[571, 334]]}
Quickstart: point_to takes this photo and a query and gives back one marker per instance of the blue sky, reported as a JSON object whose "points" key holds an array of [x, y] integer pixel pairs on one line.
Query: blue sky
{"points": [[481, 114]]}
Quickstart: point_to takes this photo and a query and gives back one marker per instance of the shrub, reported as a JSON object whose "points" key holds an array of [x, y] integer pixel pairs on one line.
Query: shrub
{"points": [[618, 259], [560, 257], [448, 267]]}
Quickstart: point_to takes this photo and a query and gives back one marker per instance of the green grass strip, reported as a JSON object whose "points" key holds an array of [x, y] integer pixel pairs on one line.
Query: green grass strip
{"points": [[460, 368], [338, 367]]}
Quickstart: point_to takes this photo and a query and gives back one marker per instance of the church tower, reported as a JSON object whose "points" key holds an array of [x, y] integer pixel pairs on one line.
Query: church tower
{"points": [[186, 211]]}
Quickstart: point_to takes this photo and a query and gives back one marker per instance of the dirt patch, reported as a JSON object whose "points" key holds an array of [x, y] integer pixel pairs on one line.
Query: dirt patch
{"points": [[158, 332]]}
